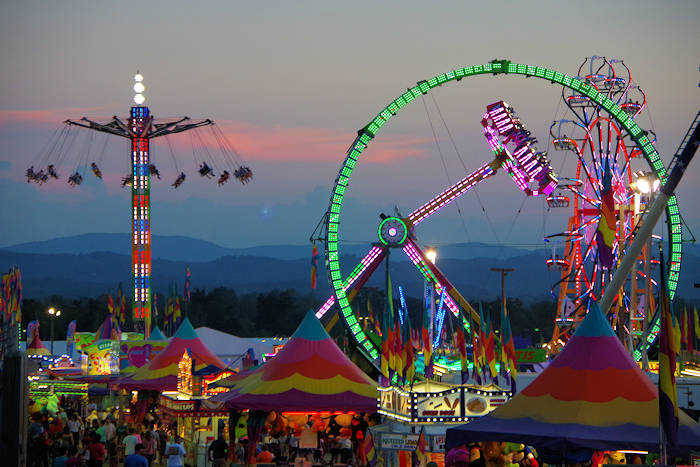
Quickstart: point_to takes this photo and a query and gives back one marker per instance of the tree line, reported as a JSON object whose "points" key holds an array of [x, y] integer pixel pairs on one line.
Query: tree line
{"points": [[271, 313]]}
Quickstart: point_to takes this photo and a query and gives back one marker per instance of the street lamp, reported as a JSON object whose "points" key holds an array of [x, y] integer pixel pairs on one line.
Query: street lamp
{"points": [[53, 313]]}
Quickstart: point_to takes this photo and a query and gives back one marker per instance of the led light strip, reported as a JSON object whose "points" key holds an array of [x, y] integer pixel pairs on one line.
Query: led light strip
{"points": [[446, 197], [369, 259], [496, 67]]}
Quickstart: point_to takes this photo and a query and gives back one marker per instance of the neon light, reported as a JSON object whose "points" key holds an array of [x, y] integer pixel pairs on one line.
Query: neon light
{"points": [[440, 318], [495, 68]]}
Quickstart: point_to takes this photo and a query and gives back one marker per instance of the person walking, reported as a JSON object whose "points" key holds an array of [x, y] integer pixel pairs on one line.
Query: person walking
{"points": [[136, 459], [130, 442], [218, 452], [97, 452], [175, 453], [149, 443]]}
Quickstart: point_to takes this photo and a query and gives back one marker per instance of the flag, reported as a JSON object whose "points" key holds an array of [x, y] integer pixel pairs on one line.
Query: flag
{"points": [[607, 225], [697, 322], [509, 347], [421, 457], [476, 354], [110, 303], [314, 266], [177, 314], [368, 452], [490, 350], [385, 363], [122, 311], [461, 345], [684, 328], [668, 397], [688, 331], [483, 363], [398, 350], [427, 344], [70, 338], [186, 293]]}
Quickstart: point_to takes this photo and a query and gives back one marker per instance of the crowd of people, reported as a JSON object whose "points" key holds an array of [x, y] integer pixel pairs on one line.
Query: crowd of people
{"points": [[71, 438]]}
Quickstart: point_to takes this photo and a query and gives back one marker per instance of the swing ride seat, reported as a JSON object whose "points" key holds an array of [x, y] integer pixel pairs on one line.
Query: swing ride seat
{"points": [[631, 108], [558, 201], [558, 263], [564, 144], [578, 100]]}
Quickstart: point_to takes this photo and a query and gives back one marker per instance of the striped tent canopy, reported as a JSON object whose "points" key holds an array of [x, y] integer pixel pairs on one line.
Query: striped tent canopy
{"points": [[309, 374], [109, 329], [593, 396], [156, 335], [36, 346], [161, 372]]}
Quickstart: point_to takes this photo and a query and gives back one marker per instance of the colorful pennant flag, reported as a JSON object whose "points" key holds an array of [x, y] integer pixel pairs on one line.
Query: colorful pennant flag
{"points": [[607, 225], [668, 397], [369, 451], [186, 293], [314, 266], [421, 456]]}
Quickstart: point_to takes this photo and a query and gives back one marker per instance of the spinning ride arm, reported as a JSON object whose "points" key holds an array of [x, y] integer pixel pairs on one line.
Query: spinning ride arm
{"points": [[374, 257]]}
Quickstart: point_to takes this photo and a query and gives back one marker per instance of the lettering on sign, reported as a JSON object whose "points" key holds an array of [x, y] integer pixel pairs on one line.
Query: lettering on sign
{"points": [[445, 404], [529, 168]]}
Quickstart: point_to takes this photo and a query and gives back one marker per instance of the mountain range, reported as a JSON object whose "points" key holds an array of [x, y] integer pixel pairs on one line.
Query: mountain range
{"points": [[93, 264]]}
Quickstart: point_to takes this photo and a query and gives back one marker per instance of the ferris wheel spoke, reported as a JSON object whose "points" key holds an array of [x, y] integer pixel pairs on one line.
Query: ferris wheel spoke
{"points": [[446, 197], [453, 299], [359, 276]]}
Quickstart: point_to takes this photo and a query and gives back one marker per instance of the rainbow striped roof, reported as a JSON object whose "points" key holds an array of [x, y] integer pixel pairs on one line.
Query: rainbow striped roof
{"points": [[309, 374], [592, 396], [36, 346], [161, 372]]}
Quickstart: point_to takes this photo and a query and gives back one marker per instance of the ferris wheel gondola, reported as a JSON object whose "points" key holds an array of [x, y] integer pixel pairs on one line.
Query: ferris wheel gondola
{"points": [[598, 141]]}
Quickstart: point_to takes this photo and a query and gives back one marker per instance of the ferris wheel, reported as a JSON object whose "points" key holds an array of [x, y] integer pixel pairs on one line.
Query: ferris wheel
{"points": [[608, 162], [514, 153]]}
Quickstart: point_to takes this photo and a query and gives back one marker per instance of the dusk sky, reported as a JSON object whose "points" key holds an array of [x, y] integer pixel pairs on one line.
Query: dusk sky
{"points": [[290, 83]]}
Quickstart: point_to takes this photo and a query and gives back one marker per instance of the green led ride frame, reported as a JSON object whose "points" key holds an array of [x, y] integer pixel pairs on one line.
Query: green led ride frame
{"points": [[502, 67]]}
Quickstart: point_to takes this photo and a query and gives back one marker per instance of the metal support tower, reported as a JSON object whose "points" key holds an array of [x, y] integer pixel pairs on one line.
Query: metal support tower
{"points": [[140, 128]]}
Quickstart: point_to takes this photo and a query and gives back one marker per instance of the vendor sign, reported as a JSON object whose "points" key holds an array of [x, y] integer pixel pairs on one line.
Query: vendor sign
{"points": [[135, 354], [452, 404], [103, 357], [530, 355], [398, 441]]}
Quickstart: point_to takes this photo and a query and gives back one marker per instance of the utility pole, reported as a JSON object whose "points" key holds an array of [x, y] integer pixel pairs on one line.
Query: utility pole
{"points": [[504, 272]]}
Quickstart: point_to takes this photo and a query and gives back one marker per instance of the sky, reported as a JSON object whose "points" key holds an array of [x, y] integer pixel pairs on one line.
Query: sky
{"points": [[290, 83]]}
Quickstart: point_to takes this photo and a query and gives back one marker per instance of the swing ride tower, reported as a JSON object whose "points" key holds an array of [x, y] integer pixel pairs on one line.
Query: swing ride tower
{"points": [[140, 128]]}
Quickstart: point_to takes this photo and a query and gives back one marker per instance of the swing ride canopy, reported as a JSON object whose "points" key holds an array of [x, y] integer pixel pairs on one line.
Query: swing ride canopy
{"points": [[593, 396], [161, 373], [309, 374]]}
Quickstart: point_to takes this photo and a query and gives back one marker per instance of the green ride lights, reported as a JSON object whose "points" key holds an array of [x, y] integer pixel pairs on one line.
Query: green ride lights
{"points": [[496, 67]]}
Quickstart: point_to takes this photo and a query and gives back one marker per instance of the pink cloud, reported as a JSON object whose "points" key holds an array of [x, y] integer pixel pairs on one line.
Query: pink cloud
{"points": [[309, 144], [47, 117]]}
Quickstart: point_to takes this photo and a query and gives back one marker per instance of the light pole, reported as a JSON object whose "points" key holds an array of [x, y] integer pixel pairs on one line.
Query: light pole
{"points": [[53, 314]]}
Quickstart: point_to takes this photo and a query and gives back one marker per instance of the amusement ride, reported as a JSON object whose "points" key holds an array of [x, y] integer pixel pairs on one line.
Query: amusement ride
{"points": [[605, 105], [214, 159]]}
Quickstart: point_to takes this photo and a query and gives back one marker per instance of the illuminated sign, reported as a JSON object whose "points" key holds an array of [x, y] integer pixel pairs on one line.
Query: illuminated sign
{"points": [[453, 404], [529, 169]]}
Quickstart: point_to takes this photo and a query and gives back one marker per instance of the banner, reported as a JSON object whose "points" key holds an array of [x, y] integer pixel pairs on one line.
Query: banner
{"points": [[135, 354]]}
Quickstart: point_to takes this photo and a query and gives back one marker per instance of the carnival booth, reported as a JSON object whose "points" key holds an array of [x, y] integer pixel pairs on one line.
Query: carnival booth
{"points": [[185, 356], [593, 396], [307, 387]]}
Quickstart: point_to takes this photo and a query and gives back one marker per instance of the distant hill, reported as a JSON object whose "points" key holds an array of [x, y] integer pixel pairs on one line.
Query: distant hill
{"points": [[100, 263], [179, 248]]}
